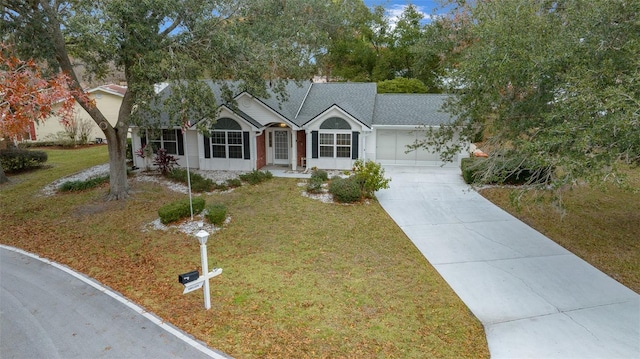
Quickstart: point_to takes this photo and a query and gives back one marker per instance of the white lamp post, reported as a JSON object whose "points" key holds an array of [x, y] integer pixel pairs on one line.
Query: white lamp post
{"points": [[202, 236]]}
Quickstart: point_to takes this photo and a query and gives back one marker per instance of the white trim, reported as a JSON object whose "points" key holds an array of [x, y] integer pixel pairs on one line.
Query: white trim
{"points": [[303, 100]]}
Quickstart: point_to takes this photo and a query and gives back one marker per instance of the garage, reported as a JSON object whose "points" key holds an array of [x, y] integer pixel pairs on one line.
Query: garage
{"points": [[391, 145]]}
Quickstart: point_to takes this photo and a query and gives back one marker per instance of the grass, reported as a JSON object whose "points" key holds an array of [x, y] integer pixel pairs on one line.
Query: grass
{"points": [[302, 279], [600, 225]]}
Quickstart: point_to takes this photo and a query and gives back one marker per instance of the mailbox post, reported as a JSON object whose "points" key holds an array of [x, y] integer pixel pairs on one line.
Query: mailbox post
{"points": [[202, 236], [192, 280]]}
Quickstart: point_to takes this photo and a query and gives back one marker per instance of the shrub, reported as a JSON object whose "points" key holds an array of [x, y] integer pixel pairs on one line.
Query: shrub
{"points": [[315, 185], [177, 210], [255, 177], [345, 190], [470, 167], [198, 182], [164, 161], [234, 182], [16, 160], [216, 213], [221, 186], [513, 170], [73, 186], [370, 176], [322, 175]]}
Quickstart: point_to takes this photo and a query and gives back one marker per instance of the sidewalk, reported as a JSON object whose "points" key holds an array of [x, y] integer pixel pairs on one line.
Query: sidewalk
{"points": [[49, 311], [534, 298]]}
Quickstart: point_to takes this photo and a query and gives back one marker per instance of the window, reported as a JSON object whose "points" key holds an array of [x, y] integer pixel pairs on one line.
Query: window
{"points": [[335, 145], [334, 138], [167, 139], [226, 139]]}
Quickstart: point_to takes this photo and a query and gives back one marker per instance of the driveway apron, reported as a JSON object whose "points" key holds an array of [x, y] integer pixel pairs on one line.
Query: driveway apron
{"points": [[534, 298]]}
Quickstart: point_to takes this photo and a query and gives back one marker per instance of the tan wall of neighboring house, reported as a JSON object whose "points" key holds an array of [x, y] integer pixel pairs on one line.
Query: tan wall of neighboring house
{"points": [[107, 103]]}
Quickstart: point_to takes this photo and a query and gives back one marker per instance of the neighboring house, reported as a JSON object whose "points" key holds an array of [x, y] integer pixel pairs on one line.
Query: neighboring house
{"points": [[108, 99], [323, 125]]}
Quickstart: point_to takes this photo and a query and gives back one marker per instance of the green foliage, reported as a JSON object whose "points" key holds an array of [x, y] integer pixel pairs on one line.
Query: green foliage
{"points": [[557, 85], [469, 167], [74, 186], [216, 213], [198, 182], [368, 48], [315, 185], [322, 175], [16, 160], [234, 183], [402, 85], [177, 210], [256, 177], [221, 186], [370, 176], [345, 190], [512, 170]]}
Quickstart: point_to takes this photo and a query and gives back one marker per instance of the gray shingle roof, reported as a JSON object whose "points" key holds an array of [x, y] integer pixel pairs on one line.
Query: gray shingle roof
{"points": [[410, 110], [357, 99]]}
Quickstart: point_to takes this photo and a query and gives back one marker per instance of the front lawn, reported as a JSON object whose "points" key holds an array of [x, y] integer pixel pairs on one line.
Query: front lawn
{"points": [[302, 278]]}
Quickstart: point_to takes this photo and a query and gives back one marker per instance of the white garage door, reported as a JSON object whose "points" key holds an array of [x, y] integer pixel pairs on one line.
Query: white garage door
{"points": [[391, 146]]}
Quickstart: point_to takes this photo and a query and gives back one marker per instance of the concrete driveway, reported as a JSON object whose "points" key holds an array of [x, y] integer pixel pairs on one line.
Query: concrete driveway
{"points": [[49, 311], [534, 298]]}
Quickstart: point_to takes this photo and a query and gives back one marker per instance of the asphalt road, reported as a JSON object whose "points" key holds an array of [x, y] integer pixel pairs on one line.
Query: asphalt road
{"points": [[49, 311]]}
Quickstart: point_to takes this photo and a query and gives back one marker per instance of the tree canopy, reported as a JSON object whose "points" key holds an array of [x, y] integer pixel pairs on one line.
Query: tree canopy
{"points": [[555, 83], [250, 41], [370, 47]]}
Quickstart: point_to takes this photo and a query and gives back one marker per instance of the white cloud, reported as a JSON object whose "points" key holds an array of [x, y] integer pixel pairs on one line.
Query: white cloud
{"points": [[395, 11]]}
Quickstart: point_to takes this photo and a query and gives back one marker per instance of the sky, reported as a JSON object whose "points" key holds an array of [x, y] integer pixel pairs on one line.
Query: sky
{"points": [[395, 7]]}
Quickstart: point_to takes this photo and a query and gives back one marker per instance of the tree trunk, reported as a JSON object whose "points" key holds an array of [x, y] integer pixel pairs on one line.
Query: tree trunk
{"points": [[117, 145]]}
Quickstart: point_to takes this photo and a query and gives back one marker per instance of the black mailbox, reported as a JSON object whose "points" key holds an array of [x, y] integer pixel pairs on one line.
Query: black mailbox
{"points": [[185, 278]]}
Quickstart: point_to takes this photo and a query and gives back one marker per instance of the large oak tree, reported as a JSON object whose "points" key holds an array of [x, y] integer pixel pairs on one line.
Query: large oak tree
{"points": [[554, 83], [178, 41]]}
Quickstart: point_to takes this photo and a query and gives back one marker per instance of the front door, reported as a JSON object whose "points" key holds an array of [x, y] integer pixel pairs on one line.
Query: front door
{"points": [[281, 147]]}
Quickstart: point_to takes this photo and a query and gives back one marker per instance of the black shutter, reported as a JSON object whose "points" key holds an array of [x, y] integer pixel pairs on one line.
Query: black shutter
{"points": [[354, 145], [245, 142], [143, 138], [314, 144], [207, 147], [180, 136]]}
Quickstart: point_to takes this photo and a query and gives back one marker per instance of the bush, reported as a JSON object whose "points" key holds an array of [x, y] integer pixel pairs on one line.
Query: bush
{"points": [[177, 210], [221, 186], [370, 176], [216, 213], [513, 170], [16, 160], [321, 175], [256, 177], [470, 167], [315, 185], [198, 183], [234, 182], [74, 186], [345, 190]]}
